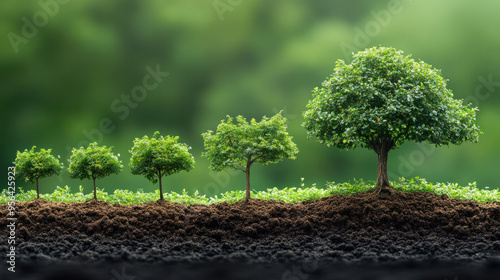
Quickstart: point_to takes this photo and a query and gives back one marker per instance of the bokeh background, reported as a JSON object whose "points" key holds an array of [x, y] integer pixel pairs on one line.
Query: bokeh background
{"points": [[67, 67]]}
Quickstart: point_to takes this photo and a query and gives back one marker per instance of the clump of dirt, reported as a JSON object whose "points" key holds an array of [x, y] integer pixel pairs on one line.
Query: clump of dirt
{"points": [[416, 212]]}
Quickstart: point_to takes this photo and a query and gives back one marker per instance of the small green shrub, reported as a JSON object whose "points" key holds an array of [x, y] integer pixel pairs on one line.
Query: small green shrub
{"points": [[32, 166], [93, 162], [242, 144], [159, 156]]}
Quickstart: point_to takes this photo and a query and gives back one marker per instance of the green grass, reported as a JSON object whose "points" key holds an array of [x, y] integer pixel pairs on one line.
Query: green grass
{"points": [[470, 192]]}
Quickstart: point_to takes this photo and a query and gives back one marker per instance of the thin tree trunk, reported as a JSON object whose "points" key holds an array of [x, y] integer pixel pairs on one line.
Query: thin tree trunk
{"points": [[247, 172], [95, 189], [161, 188], [37, 191]]}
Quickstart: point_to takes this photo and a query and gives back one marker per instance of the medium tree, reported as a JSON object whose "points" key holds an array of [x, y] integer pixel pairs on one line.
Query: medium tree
{"points": [[159, 156], [93, 162], [383, 99], [242, 144], [31, 166]]}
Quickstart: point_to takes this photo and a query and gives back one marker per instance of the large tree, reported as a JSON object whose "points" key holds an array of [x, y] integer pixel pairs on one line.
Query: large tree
{"points": [[382, 99], [241, 144]]}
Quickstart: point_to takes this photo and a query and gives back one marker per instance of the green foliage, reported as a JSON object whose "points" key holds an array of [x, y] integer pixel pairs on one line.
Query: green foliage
{"points": [[32, 165], [238, 66], [384, 96], [234, 145], [93, 162], [159, 156], [242, 144], [291, 195]]}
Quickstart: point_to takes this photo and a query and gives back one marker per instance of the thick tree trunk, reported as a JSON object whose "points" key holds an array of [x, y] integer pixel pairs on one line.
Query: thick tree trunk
{"points": [[37, 191], [95, 190], [382, 177], [161, 188], [382, 149], [247, 172]]}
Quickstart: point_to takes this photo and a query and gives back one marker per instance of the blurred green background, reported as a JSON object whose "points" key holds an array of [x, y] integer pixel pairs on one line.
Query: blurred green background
{"points": [[67, 67]]}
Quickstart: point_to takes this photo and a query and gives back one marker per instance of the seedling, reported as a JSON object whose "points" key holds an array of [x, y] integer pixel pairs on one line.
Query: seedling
{"points": [[383, 99], [93, 162], [159, 156], [242, 144], [31, 166]]}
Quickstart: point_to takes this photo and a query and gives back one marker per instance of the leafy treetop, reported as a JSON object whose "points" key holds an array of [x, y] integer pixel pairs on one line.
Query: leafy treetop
{"points": [[386, 97], [234, 144], [93, 162]]}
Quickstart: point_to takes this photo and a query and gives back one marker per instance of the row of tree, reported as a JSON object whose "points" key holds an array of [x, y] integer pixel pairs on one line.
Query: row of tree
{"points": [[379, 101], [234, 145]]}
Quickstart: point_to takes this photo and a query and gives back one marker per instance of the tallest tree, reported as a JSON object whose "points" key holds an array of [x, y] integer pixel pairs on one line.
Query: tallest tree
{"points": [[382, 99]]}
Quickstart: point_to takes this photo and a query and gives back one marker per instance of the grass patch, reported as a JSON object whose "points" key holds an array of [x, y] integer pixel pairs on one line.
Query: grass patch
{"points": [[469, 192]]}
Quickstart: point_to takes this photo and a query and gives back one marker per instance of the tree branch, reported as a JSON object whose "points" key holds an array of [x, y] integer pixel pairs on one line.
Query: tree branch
{"points": [[256, 158]]}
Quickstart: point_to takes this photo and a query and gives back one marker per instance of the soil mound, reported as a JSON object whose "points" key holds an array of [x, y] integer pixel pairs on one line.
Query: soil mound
{"points": [[417, 212]]}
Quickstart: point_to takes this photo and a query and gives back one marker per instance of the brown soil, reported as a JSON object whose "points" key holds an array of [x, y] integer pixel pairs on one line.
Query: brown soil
{"points": [[400, 236], [416, 212]]}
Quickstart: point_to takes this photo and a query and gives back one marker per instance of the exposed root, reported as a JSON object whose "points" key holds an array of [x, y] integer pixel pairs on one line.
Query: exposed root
{"points": [[383, 191]]}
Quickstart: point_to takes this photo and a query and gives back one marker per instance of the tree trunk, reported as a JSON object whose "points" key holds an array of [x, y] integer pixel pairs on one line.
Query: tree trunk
{"points": [[37, 191], [95, 190], [161, 188], [383, 184], [247, 172]]}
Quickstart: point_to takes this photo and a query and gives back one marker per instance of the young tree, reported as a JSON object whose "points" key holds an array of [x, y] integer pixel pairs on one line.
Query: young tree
{"points": [[383, 99], [31, 166], [242, 144], [93, 162], [158, 156]]}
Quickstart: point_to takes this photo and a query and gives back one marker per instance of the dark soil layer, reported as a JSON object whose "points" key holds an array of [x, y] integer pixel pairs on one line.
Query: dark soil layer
{"points": [[363, 236]]}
